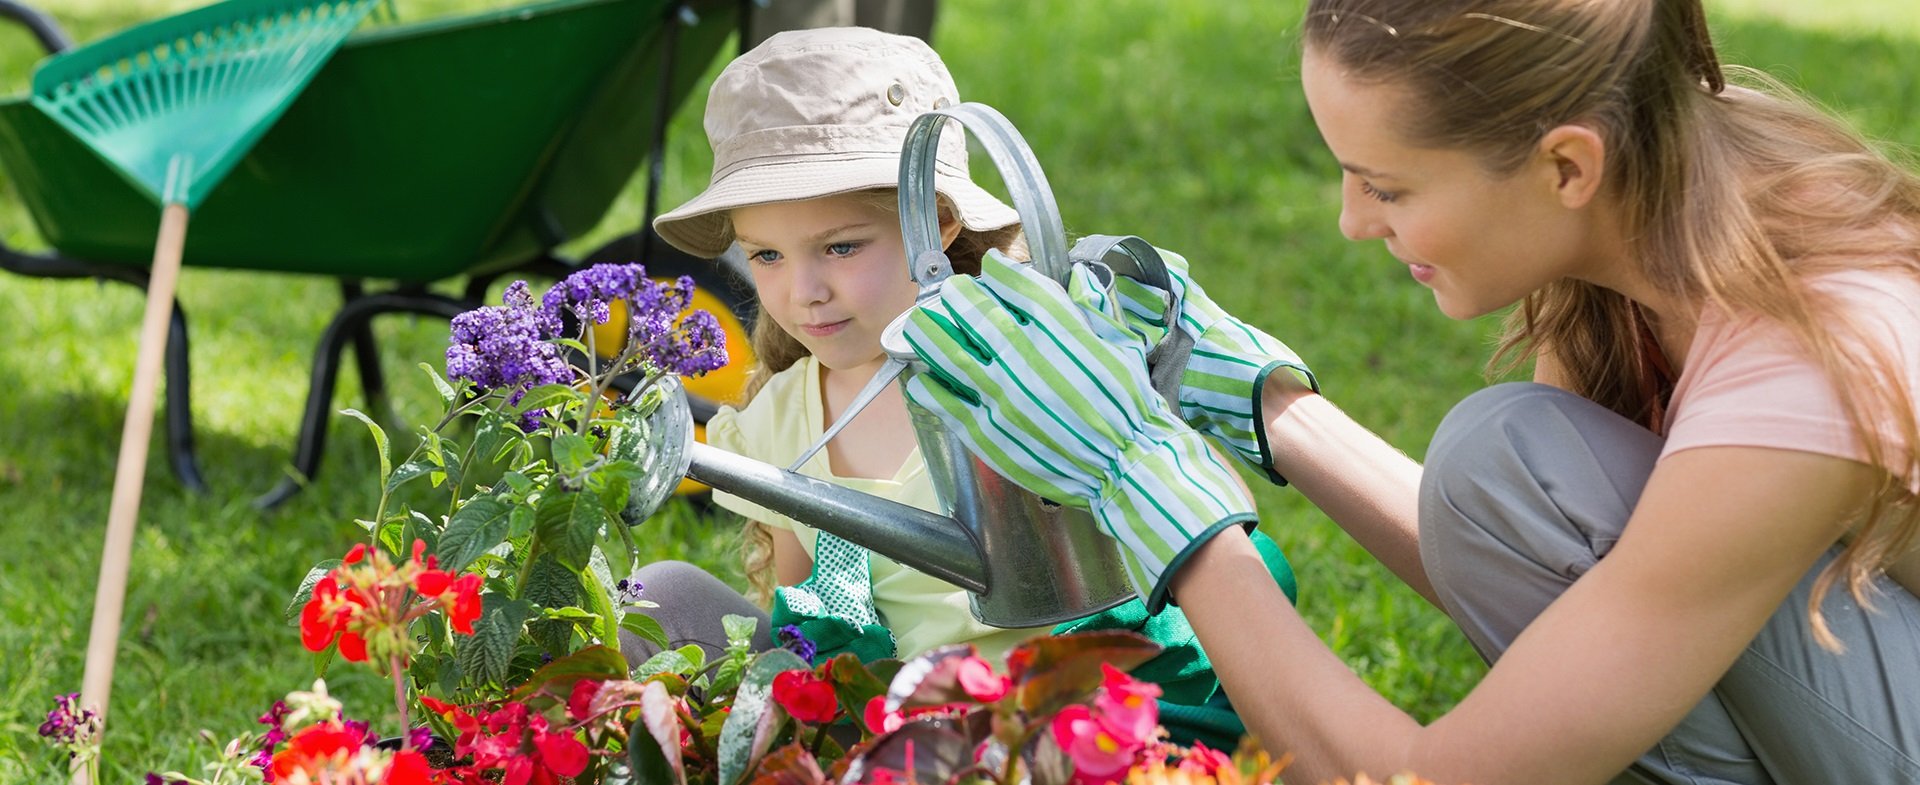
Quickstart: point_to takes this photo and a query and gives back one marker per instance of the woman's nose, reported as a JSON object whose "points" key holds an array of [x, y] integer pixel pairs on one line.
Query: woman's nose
{"points": [[1360, 216]]}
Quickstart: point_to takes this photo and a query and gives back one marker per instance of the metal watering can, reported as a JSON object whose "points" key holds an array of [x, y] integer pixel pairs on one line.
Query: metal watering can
{"points": [[1025, 561]]}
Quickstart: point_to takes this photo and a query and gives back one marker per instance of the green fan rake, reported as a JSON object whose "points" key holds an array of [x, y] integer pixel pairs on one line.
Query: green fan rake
{"points": [[173, 105]]}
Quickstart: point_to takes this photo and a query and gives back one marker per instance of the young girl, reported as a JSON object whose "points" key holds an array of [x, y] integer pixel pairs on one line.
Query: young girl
{"points": [[807, 130], [1688, 548]]}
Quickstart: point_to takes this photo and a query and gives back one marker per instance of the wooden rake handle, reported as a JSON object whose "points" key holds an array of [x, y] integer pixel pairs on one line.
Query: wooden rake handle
{"points": [[129, 475]]}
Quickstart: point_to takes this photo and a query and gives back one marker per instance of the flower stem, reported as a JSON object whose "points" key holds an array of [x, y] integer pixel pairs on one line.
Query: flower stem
{"points": [[399, 668]]}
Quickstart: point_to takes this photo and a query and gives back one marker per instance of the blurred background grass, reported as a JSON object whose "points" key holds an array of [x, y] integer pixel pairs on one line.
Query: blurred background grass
{"points": [[1178, 121]]}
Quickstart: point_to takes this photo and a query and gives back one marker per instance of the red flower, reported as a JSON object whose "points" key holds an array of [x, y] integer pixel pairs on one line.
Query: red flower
{"points": [[463, 606], [317, 749], [328, 613], [409, 768], [806, 697], [581, 701], [430, 583]]}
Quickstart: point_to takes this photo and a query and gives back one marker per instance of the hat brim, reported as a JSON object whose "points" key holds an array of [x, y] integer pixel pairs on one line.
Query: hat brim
{"points": [[700, 227]]}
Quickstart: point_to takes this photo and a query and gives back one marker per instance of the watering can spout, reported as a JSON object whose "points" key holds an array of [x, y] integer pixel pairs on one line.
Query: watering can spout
{"points": [[1024, 561], [934, 544]]}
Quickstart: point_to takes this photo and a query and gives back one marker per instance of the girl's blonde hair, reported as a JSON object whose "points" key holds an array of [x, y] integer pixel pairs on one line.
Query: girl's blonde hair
{"points": [[774, 351], [1737, 197]]}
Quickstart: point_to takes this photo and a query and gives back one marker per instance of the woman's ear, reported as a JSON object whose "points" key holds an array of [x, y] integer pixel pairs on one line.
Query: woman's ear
{"points": [[1576, 162]]}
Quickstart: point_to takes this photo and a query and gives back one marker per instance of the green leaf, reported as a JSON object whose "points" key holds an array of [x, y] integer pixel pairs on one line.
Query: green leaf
{"points": [[571, 452], [647, 628], [594, 662], [595, 593], [672, 661], [520, 522], [854, 686], [479, 525], [546, 395], [379, 441], [439, 384], [617, 551], [485, 655], [492, 438], [409, 471], [393, 536], [550, 584], [305, 592], [568, 528], [740, 629], [748, 730], [518, 482]]}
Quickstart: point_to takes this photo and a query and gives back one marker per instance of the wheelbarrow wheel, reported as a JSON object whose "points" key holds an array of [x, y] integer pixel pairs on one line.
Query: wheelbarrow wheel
{"points": [[717, 288]]}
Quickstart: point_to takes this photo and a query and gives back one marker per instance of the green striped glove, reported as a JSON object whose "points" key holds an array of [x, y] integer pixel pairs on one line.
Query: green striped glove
{"points": [[1059, 402], [1220, 387]]}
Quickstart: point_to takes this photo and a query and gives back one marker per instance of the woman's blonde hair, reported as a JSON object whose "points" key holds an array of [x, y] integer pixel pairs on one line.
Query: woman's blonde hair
{"points": [[1734, 196], [774, 351]]}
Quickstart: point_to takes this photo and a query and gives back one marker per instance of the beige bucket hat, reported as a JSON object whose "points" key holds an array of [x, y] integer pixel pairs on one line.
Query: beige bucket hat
{"points": [[812, 113]]}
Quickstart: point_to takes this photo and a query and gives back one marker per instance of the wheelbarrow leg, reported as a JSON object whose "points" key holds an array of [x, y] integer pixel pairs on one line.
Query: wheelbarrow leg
{"points": [[353, 318], [180, 405], [367, 356]]}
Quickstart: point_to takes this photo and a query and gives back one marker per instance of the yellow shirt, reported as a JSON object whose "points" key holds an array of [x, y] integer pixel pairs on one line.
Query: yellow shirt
{"points": [[780, 423]]}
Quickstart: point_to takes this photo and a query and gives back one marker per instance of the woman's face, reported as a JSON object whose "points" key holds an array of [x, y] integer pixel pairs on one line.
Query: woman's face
{"points": [[831, 271], [1480, 241]]}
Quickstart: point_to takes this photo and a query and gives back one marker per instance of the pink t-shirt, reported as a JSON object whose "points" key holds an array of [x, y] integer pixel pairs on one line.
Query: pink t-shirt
{"points": [[1748, 383]]}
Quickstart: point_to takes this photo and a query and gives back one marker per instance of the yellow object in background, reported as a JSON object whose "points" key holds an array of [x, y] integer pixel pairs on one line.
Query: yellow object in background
{"points": [[722, 386]]}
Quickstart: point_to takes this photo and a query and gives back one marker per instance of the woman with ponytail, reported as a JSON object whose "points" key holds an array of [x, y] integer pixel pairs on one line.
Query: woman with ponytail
{"points": [[1687, 548]]}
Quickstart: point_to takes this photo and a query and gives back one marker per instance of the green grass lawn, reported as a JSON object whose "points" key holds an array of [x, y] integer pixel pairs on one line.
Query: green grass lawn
{"points": [[1181, 122]]}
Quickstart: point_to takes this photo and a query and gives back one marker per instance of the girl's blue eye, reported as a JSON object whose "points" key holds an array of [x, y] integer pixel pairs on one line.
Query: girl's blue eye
{"points": [[842, 249], [1383, 196], [766, 256]]}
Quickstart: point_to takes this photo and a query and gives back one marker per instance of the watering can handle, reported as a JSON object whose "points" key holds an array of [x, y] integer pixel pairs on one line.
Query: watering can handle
{"points": [[1039, 218], [1137, 259]]}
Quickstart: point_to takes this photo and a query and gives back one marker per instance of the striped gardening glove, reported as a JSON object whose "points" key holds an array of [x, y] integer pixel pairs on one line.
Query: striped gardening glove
{"points": [[1220, 387], [1059, 402]]}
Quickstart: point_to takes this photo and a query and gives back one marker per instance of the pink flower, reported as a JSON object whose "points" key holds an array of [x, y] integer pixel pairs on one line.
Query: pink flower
{"points": [[980, 682], [1204, 761], [1127, 705], [878, 719], [1098, 754]]}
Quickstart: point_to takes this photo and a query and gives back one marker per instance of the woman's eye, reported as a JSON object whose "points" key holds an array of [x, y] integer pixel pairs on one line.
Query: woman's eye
{"points": [[765, 256], [842, 249], [1383, 196]]}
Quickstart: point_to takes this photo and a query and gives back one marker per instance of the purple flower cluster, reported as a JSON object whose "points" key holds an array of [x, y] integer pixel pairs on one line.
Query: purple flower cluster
{"points": [[506, 346], [70, 726], [630, 590], [510, 346], [275, 719], [662, 340], [793, 640]]}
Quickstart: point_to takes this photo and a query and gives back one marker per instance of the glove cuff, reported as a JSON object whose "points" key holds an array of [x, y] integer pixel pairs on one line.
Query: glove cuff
{"points": [[1163, 496], [1263, 457]]}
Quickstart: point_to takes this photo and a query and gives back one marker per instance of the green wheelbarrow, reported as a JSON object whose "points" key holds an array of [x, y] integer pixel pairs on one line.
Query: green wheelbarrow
{"points": [[470, 146]]}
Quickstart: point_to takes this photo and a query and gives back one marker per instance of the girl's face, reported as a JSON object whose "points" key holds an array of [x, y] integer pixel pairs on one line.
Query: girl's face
{"points": [[1480, 241], [831, 271]]}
